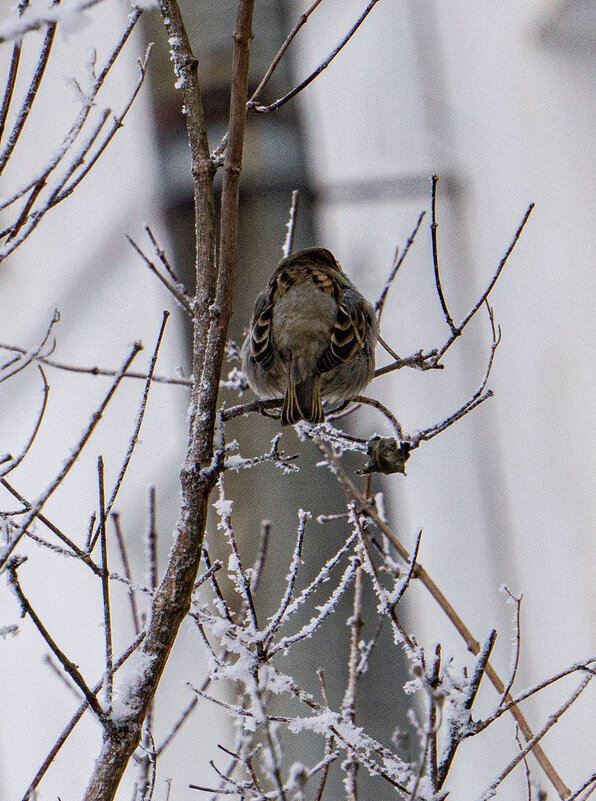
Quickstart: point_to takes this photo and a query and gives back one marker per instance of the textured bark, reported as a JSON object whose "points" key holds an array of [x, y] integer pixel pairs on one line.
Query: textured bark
{"points": [[212, 310]]}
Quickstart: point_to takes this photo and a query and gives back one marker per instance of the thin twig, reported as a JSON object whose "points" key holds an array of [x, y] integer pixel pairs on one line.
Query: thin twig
{"points": [[64, 191], [38, 505], [139, 422], [473, 645], [433, 233], [18, 459], [430, 360], [34, 85], [517, 601], [277, 619], [127, 571], [31, 355], [163, 258], [348, 707], [584, 786], [66, 663], [395, 424], [259, 563], [87, 103], [456, 733], [397, 263], [323, 66], [12, 76], [157, 379], [533, 741], [184, 302], [74, 720], [152, 542], [491, 285], [76, 551], [59, 673], [105, 587], [279, 55], [288, 245]]}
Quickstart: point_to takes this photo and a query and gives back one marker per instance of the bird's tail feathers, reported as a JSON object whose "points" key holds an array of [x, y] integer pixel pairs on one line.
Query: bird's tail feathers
{"points": [[302, 401]]}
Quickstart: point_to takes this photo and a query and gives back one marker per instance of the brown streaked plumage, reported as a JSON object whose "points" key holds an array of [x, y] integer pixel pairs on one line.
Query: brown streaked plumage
{"points": [[312, 337]]}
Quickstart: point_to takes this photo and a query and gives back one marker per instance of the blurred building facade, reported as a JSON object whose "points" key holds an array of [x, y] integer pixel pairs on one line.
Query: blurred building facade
{"points": [[499, 101]]}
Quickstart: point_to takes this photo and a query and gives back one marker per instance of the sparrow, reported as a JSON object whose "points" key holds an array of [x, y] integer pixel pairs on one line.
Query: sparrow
{"points": [[312, 337]]}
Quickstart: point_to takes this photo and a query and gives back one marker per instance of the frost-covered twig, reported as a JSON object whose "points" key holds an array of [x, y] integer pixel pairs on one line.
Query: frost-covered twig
{"points": [[517, 601], [278, 617], [259, 563], [323, 611], [118, 120], [288, 245], [279, 459], [75, 551], [33, 19], [322, 576], [157, 379], [458, 726], [34, 84], [223, 507], [87, 100], [472, 643], [348, 707]]}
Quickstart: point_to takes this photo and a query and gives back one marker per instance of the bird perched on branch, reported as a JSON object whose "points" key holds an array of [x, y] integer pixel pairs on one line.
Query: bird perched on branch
{"points": [[312, 337]]}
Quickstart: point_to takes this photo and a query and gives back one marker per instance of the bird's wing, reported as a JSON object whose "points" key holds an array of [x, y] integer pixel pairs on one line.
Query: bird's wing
{"points": [[347, 337], [261, 339]]}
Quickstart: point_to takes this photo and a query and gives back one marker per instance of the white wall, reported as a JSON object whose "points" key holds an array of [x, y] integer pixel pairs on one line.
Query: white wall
{"points": [[506, 496]]}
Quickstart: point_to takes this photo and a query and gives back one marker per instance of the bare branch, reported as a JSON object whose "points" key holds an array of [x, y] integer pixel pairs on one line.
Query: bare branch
{"points": [[18, 459], [139, 423], [184, 302], [33, 86], [105, 587], [590, 781], [253, 106], [75, 551], [490, 287], [157, 379], [30, 356], [38, 505], [74, 720], [68, 666], [279, 55], [490, 791], [12, 76], [433, 232], [127, 572], [397, 263]]}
